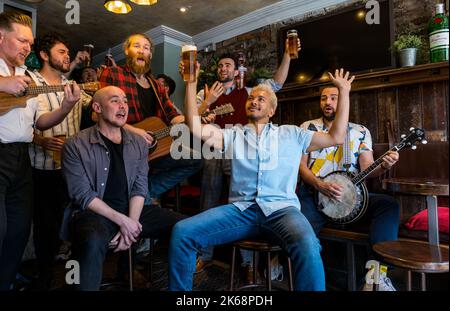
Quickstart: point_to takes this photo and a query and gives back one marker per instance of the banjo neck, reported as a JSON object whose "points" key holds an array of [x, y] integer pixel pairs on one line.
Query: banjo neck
{"points": [[362, 175]]}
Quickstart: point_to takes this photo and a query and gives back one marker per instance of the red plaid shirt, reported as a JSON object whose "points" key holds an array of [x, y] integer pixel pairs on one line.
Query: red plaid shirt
{"points": [[122, 77]]}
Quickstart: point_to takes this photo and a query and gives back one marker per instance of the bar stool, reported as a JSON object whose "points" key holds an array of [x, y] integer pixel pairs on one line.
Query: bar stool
{"points": [[105, 285], [414, 256], [258, 246]]}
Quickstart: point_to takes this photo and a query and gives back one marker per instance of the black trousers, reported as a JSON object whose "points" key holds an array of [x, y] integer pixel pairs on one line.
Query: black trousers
{"points": [[50, 198], [16, 208], [91, 234]]}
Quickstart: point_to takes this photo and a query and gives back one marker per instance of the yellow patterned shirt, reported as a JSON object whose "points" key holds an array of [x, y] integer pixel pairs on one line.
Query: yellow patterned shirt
{"points": [[326, 160]]}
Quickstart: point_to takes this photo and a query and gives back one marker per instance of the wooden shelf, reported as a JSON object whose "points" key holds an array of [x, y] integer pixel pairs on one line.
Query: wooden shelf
{"points": [[372, 80]]}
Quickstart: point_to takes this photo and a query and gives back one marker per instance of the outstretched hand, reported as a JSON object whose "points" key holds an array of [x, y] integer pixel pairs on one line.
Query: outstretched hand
{"points": [[341, 81]]}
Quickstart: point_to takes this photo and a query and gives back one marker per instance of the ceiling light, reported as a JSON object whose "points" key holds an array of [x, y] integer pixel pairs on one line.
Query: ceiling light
{"points": [[183, 9], [144, 2], [117, 6]]}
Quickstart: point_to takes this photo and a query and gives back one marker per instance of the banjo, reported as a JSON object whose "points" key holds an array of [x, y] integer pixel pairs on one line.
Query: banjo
{"points": [[355, 196]]}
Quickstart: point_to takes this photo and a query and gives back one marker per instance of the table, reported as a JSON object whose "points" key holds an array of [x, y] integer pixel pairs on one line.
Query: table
{"points": [[431, 188]]}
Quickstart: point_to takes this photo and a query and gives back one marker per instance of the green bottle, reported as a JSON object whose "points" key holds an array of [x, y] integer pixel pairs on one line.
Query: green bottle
{"points": [[438, 31]]}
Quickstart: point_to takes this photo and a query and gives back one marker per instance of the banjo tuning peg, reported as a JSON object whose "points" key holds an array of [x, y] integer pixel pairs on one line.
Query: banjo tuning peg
{"points": [[413, 147], [424, 141], [411, 129], [403, 136]]}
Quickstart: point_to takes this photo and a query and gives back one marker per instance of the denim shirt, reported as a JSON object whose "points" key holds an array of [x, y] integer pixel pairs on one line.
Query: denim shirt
{"points": [[264, 168], [85, 165]]}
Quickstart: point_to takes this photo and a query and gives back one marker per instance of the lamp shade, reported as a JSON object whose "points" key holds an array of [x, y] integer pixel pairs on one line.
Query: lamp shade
{"points": [[117, 6], [144, 2]]}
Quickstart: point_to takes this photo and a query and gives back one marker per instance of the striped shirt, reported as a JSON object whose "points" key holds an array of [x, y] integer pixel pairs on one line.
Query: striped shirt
{"points": [[43, 159]]}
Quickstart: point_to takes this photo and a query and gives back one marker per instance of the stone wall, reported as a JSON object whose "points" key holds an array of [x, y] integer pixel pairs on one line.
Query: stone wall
{"points": [[261, 46]]}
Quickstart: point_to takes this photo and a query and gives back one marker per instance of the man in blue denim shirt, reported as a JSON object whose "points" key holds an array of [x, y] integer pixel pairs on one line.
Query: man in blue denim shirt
{"points": [[265, 162], [105, 167]]}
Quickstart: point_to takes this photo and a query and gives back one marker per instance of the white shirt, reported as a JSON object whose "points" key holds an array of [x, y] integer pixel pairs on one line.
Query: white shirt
{"points": [[17, 124]]}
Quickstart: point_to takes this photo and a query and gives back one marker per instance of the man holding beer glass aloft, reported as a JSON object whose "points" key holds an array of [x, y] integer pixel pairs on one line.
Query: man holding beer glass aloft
{"points": [[225, 91]]}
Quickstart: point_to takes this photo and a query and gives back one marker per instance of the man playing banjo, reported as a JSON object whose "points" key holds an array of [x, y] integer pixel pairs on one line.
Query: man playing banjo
{"points": [[355, 155]]}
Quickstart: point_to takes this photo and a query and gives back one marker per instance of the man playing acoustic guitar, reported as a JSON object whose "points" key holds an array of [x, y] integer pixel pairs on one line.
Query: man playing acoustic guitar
{"points": [[147, 98], [383, 210]]}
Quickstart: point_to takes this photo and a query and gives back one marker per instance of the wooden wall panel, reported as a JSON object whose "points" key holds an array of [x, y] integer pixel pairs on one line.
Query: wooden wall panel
{"points": [[409, 105], [435, 116], [387, 112]]}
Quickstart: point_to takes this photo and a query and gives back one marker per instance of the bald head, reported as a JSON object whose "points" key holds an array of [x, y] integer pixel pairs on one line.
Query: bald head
{"points": [[111, 105], [102, 94]]}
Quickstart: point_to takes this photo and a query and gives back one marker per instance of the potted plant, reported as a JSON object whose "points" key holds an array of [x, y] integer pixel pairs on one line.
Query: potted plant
{"points": [[406, 46], [258, 75]]}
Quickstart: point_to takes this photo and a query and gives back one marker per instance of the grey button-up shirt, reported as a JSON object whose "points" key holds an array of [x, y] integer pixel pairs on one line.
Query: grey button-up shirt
{"points": [[85, 165]]}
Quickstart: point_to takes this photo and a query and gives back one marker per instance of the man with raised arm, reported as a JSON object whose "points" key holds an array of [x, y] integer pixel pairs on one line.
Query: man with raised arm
{"points": [[262, 191]]}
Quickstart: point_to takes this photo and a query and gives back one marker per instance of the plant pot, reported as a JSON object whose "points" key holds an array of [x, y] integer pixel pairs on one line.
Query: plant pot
{"points": [[407, 57]]}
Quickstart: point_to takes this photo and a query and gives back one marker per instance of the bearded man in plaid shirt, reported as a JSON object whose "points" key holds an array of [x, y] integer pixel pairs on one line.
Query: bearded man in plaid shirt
{"points": [[147, 98]]}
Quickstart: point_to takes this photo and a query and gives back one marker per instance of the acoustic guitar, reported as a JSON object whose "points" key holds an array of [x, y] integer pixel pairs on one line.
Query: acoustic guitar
{"points": [[161, 132], [9, 102]]}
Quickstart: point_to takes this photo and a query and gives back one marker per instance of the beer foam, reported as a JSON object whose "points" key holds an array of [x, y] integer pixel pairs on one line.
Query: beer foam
{"points": [[186, 48]]}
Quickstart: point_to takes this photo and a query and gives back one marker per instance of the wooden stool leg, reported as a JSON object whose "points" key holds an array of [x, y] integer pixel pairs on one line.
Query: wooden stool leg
{"points": [[150, 260], [291, 283], [423, 282], [408, 281], [351, 270], [130, 268], [254, 267], [269, 273], [233, 262]]}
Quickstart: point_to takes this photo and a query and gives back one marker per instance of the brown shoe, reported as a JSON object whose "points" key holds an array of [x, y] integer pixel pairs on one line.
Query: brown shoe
{"points": [[201, 265]]}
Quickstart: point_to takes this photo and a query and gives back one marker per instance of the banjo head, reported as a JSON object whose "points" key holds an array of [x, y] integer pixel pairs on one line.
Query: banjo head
{"points": [[352, 204]]}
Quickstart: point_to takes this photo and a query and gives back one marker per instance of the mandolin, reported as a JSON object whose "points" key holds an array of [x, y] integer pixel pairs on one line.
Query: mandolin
{"points": [[9, 102]]}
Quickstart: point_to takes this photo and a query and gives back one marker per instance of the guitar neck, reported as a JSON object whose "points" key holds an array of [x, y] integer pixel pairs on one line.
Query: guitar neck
{"points": [[43, 89], [162, 132], [362, 175]]}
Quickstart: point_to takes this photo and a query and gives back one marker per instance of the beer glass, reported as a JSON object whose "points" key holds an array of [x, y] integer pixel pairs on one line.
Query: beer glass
{"points": [[57, 153], [88, 48], [189, 59], [292, 43]]}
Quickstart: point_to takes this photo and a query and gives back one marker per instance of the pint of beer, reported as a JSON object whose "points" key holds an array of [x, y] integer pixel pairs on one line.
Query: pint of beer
{"points": [[189, 58], [292, 43], [88, 48], [57, 154]]}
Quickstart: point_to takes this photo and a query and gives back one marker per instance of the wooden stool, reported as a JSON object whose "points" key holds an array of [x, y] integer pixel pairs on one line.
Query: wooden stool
{"points": [[258, 246], [106, 285], [414, 256]]}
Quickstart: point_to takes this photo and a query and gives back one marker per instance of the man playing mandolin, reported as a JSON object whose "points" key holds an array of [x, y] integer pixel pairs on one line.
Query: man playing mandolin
{"points": [[356, 154], [50, 191], [16, 132]]}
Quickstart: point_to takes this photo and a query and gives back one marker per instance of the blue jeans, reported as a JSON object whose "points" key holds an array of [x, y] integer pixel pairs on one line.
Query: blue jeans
{"points": [[167, 172], [382, 210], [225, 224], [215, 171]]}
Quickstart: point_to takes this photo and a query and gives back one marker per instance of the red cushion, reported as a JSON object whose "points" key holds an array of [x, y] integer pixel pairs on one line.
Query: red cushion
{"points": [[420, 220]]}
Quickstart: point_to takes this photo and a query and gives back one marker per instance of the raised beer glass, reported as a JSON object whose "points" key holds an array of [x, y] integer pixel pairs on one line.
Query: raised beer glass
{"points": [[88, 48], [292, 43], [189, 59]]}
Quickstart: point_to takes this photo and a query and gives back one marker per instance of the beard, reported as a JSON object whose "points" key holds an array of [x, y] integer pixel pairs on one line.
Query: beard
{"points": [[329, 117], [226, 79], [58, 65], [136, 68]]}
